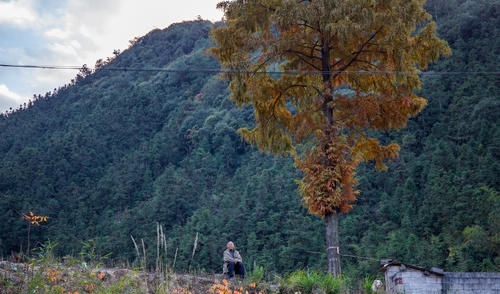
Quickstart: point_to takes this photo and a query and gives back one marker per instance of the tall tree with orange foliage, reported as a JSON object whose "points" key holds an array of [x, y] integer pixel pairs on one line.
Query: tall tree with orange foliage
{"points": [[323, 76]]}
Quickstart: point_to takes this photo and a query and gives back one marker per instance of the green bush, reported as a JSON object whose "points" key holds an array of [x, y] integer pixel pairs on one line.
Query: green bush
{"points": [[257, 274], [307, 281]]}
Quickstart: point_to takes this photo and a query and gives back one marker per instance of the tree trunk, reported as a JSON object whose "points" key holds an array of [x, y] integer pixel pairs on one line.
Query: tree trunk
{"points": [[332, 243], [28, 250]]}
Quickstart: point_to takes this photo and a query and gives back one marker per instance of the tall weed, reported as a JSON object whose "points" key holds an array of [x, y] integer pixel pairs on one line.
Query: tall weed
{"points": [[308, 281]]}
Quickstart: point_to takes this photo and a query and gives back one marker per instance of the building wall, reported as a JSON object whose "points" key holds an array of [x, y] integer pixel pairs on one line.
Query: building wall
{"points": [[480, 283], [400, 279]]}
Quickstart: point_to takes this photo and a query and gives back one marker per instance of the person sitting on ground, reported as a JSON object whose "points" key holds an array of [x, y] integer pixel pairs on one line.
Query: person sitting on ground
{"points": [[233, 263]]}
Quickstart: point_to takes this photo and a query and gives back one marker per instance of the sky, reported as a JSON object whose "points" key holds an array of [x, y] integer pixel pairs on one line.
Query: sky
{"points": [[76, 32]]}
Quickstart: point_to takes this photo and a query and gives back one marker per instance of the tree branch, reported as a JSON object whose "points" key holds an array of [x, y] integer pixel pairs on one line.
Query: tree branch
{"points": [[357, 53], [260, 66], [302, 86], [305, 24], [302, 56]]}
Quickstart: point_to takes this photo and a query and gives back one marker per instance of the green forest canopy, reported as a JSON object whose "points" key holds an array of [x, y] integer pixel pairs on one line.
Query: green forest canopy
{"points": [[112, 153]]}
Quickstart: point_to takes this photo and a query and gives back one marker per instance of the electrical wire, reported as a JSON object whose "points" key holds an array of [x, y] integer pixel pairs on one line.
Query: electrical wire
{"points": [[346, 255], [216, 70], [40, 66], [360, 257]]}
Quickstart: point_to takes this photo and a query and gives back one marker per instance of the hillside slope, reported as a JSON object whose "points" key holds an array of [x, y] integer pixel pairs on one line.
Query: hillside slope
{"points": [[120, 149]]}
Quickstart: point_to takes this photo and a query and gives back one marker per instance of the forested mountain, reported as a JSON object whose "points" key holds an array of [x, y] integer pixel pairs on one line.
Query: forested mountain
{"points": [[126, 146]]}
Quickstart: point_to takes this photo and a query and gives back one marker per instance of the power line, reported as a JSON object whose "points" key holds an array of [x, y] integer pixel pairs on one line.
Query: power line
{"points": [[360, 257], [41, 66], [217, 70], [346, 255]]}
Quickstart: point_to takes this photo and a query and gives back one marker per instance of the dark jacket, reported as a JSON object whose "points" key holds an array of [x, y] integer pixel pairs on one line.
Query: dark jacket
{"points": [[229, 256]]}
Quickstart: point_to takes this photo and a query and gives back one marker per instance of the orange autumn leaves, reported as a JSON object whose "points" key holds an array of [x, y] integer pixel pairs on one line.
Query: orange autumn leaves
{"points": [[56, 278], [323, 78], [34, 219], [53, 275], [224, 287], [328, 182], [329, 179]]}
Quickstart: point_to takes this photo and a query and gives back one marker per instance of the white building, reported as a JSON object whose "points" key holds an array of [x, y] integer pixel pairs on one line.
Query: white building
{"points": [[410, 279]]}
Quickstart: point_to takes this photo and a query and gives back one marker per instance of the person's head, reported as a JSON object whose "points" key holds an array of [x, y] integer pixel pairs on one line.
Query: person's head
{"points": [[230, 245]]}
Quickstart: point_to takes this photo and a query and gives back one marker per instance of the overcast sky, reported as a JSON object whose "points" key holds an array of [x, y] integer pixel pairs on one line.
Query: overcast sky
{"points": [[76, 32]]}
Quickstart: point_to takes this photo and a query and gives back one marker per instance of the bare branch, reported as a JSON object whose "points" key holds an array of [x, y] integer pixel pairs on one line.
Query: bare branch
{"points": [[303, 57], [305, 24], [357, 53], [262, 65]]}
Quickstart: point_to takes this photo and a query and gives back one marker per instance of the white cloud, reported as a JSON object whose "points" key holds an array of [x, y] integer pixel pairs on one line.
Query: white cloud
{"points": [[77, 32], [64, 49], [56, 33], [104, 25], [17, 13], [8, 98], [6, 93]]}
